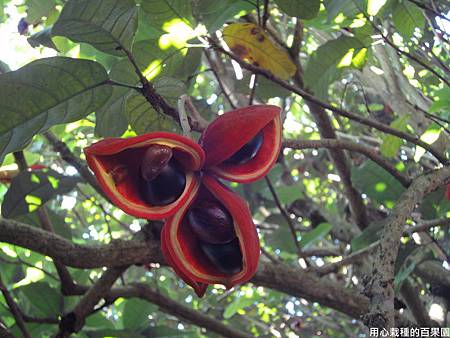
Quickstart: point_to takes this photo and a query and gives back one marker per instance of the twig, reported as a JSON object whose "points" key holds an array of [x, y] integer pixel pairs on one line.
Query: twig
{"points": [[74, 320], [118, 84], [184, 122], [70, 158], [350, 259], [196, 120], [427, 224], [402, 52], [254, 80], [3, 329], [266, 13], [352, 146], [421, 5], [219, 80], [285, 216], [14, 310]]}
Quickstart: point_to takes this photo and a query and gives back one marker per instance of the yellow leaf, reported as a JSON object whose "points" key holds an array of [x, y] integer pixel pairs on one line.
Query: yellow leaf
{"points": [[251, 43]]}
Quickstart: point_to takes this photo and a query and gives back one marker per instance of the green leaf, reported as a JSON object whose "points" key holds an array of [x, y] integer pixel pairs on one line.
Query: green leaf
{"points": [[98, 321], [213, 14], [280, 237], [59, 225], [135, 313], [108, 25], [143, 118], [43, 297], [166, 332], [29, 190], [443, 101], [47, 92], [161, 11], [377, 183], [370, 234], [111, 120], [315, 235], [37, 9], [302, 9], [116, 333], [391, 144], [407, 16], [326, 64], [347, 8], [435, 204], [408, 258], [4, 68], [155, 61], [237, 304], [42, 38]]}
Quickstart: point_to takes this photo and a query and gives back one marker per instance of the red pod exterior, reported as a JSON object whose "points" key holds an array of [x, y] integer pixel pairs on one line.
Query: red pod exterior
{"points": [[231, 131], [115, 162], [182, 251], [447, 194]]}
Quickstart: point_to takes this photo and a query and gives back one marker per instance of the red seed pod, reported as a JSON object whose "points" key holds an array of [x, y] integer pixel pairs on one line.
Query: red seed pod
{"points": [[447, 194], [242, 145], [118, 164], [200, 263]]}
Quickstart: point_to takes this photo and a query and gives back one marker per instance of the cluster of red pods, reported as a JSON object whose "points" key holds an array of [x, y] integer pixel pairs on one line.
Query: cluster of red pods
{"points": [[208, 236]]}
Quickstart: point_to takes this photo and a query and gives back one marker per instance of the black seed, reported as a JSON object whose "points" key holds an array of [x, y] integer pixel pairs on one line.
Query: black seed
{"points": [[166, 188], [248, 151], [211, 222], [227, 258]]}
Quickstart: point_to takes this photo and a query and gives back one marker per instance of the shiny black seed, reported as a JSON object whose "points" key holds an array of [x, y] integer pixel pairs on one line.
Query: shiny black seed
{"points": [[211, 222], [165, 188], [227, 258], [248, 151]]}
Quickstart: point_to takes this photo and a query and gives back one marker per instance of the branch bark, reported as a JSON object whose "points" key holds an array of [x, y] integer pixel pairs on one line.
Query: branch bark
{"points": [[280, 277]]}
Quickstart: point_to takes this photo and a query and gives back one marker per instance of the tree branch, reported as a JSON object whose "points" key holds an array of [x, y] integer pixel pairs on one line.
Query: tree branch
{"points": [[15, 311], [126, 252], [61, 148], [74, 320], [380, 289], [352, 146]]}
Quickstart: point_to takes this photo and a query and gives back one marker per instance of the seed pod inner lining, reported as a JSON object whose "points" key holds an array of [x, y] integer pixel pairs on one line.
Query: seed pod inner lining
{"points": [[125, 166], [213, 258]]}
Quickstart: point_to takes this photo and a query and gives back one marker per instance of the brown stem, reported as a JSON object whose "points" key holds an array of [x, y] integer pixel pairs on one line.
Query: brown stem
{"points": [[15, 311], [74, 320], [61, 148], [285, 216], [352, 146]]}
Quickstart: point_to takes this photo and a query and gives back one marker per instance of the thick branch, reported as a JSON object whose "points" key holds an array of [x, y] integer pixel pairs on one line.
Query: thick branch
{"points": [[122, 252], [117, 253]]}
